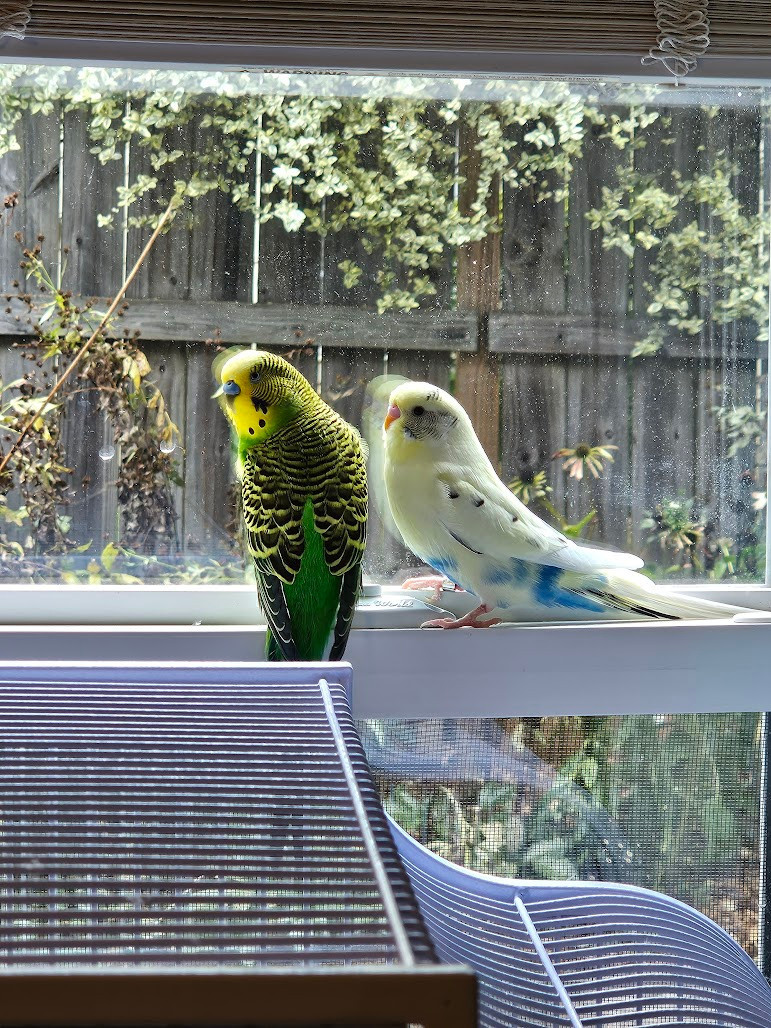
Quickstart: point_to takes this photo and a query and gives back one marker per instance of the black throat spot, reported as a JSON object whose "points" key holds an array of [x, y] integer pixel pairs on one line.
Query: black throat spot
{"points": [[259, 406]]}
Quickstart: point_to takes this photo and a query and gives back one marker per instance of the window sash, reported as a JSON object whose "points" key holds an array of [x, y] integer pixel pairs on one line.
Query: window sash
{"points": [[30, 606], [712, 69]]}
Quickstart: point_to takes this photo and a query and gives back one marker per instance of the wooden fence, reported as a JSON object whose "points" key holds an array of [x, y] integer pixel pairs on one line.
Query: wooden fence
{"points": [[533, 327]]}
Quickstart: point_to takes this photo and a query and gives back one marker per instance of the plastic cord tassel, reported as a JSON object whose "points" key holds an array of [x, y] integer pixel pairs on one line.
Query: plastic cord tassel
{"points": [[683, 35], [14, 17]]}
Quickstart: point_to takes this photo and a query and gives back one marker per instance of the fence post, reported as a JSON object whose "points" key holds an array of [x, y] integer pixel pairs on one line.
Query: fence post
{"points": [[477, 383]]}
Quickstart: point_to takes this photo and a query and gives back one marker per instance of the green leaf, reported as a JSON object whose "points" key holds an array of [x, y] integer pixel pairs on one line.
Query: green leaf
{"points": [[108, 556], [574, 531]]}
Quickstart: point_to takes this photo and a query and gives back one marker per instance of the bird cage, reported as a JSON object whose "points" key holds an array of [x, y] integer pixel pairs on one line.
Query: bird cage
{"points": [[203, 846]]}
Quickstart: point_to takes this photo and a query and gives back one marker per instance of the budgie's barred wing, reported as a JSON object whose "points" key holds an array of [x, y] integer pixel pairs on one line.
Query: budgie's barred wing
{"points": [[276, 487], [479, 512], [275, 538], [272, 514], [349, 591], [278, 481], [274, 606], [339, 496], [340, 517]]}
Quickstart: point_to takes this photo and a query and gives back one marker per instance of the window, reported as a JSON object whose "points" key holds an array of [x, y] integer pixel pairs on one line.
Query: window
{"points": [[584, 263]]}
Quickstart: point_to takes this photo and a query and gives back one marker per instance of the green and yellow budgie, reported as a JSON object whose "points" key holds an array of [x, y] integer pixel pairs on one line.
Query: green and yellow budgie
{"points": [[304, 501]]}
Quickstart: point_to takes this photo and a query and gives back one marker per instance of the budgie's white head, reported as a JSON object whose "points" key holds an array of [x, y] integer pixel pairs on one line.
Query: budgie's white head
{"points": [[424, 419]]}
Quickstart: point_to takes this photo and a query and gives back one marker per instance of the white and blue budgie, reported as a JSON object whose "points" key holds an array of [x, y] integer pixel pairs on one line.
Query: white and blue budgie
{"points": [[456, 515]]}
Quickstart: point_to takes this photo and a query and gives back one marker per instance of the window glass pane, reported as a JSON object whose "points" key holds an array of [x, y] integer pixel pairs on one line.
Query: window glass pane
{"points": [[584, 265]]}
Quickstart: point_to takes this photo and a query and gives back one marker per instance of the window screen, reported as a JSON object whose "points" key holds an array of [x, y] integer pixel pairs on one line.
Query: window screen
{"points": [[668, 802]]}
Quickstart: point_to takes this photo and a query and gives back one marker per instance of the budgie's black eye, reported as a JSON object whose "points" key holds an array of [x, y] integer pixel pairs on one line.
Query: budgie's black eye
{"points": [[254, 375], [418, 411]]}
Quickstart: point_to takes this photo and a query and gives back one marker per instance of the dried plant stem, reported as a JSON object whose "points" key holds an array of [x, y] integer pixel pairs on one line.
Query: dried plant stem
{"points": [[167, 214]]}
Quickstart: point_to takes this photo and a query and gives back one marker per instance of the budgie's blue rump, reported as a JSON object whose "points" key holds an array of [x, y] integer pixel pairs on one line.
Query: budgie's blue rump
{"points": [[530, 586]]}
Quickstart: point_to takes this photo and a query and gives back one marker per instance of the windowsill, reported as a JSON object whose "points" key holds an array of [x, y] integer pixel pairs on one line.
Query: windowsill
{"points": [[513, 670], [236, 605]]}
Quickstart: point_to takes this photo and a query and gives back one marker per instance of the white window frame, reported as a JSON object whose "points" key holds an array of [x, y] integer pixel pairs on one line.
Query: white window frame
{"points": [[400, 670], [403, 672]]}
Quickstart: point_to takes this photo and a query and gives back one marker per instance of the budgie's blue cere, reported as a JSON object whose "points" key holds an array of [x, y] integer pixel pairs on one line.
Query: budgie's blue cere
{"points": [[456, 515]]}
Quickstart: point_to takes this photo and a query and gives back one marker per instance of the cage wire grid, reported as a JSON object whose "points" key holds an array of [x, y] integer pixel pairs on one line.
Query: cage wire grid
{"points": [[161, 826]]}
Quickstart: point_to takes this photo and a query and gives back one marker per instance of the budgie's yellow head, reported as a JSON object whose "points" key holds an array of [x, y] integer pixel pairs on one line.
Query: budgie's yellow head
{"points": [[422, 417], [261, 393]]}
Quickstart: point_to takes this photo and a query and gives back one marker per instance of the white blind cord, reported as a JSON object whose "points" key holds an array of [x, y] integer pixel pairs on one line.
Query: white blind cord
{"points": [[683, 35], [14, 15]]}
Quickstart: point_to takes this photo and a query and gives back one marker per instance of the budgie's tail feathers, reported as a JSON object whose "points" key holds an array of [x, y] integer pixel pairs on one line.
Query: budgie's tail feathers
{"points": [[637, 595]]}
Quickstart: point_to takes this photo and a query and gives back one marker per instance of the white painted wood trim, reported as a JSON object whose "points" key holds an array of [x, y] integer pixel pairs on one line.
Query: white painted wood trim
{"points": [[514, 670]]}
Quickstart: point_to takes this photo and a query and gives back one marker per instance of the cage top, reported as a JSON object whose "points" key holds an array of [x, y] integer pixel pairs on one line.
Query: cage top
{"points": [[182, 822]]}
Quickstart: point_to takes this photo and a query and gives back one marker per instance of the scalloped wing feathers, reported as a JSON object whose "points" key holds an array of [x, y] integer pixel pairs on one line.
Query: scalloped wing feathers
{"points": [[321, 460], [308, 477]]}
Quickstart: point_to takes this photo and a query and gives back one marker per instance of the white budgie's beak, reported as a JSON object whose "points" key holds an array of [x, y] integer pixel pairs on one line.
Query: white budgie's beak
{"points": [[391, 416]]}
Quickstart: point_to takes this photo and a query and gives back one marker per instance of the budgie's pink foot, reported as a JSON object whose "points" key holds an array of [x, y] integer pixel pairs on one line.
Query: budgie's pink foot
{"points": [[436, 582], [471, 620]]}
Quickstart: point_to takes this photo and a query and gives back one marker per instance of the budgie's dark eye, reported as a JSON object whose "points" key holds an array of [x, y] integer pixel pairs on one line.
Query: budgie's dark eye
{"points": [[254, 375], [418, 411]]}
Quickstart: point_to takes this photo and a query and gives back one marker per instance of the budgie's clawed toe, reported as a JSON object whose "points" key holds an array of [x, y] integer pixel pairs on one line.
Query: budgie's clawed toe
{"points": [[471, 620]]}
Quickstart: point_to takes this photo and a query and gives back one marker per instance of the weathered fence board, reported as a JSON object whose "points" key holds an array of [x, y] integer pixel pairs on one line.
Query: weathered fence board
{"points": [[665, 390], [598, 279], [206, 256], [662, 423], [598, 283], [423, 365], [533, 419], [288, 273], [533, 250], [479, 291], [282, 326], [579, 335], [95, 260], [602, 423], [171, 370], [738, 133], [208, 465], [94, 267], [288, 263], [32, 172], [345, 373]]}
